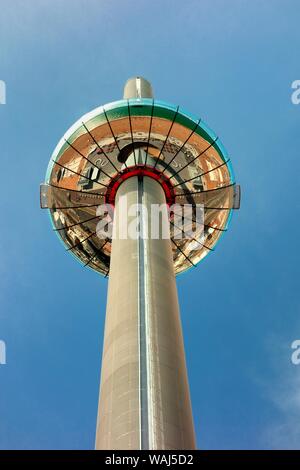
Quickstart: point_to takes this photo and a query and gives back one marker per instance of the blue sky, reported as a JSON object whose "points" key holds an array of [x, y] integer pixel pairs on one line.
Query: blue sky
{"points": [[231, 62]]}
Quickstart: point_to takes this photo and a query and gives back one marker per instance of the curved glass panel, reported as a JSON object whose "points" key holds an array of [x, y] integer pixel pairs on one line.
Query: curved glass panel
{"points": [[178, 145]]}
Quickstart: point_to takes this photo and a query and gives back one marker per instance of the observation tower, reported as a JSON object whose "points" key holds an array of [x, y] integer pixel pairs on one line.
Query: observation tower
{"points": [[147, 153]]}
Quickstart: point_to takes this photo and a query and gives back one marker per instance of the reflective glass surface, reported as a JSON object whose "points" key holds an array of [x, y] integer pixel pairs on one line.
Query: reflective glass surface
{"points": [[183, 148]]}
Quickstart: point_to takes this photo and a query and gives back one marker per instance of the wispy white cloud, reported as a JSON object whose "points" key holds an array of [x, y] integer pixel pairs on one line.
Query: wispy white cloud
{"points": [[283, 432]]}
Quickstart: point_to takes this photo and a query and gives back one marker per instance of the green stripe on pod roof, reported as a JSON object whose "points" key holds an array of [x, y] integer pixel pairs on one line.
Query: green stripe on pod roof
{"points": [[137, 107]]}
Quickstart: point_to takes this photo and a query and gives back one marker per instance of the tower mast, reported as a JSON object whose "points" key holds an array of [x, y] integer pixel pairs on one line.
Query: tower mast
{"points": [[144, 395], [145, 154]]}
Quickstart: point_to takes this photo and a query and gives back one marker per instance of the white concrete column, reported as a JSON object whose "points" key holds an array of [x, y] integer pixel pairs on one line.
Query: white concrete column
{"points": [[144, 398]]}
